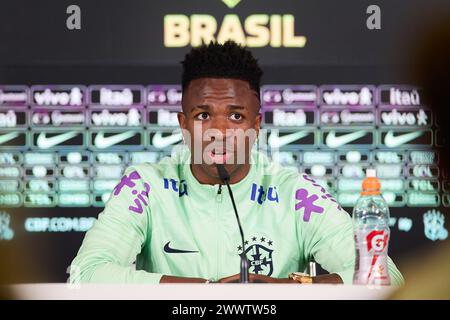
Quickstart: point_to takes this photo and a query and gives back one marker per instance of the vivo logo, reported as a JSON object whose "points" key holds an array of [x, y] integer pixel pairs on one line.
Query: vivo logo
{"points": [[404, 118], [338, 97], [60, 98], [107, 118]]}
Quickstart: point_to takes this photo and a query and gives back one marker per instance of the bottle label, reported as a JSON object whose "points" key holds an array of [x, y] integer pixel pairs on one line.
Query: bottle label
{"points": [[371, 264]]}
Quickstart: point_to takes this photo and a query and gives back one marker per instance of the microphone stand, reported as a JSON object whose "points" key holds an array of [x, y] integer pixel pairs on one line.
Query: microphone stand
{"points": [[244, 266]]}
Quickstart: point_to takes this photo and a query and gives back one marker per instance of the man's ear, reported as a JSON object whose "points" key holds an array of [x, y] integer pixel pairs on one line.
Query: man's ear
{"points": [[258, 120], [181, 120]]}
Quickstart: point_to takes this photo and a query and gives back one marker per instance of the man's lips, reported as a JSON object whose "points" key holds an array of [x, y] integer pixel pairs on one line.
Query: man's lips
{"points": [[220, 157]]}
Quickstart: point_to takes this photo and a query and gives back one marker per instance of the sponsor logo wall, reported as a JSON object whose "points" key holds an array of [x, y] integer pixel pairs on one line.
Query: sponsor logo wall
{"points": [[335, 132], [68, 145]]}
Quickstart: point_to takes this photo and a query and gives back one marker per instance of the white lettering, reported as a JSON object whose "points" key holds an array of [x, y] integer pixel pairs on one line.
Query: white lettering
{"points": [[347, 117], [167, 118], [12, 97], [47, 97], [284, 118], [59, 118], [8, 119], [404, 98], [337, 97], [109, 97], [290, 96], [108, 118], [404, 118]]}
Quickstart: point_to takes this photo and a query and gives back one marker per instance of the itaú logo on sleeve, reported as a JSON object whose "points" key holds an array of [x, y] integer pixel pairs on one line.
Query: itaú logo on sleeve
{"points": [[258, 30]]}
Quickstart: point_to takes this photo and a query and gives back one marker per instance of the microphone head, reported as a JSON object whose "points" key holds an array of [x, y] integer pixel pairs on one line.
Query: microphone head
{"points": [[223, 174]]}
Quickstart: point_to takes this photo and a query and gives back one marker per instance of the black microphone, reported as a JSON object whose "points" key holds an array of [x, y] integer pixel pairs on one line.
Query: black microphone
{"points": [[225, 177]]}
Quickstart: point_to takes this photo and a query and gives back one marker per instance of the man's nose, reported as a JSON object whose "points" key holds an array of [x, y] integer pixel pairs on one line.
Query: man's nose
{"points": [[221, 124]]}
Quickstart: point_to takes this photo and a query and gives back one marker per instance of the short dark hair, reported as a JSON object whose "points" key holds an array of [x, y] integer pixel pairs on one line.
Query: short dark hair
{"points": [[228, 61]]}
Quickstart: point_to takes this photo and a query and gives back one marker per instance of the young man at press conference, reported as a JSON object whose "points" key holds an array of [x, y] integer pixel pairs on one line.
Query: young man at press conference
{"points": [[176, 218]]}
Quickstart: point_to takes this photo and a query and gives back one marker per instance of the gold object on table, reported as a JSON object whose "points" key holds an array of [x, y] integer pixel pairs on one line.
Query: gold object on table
{"points": [[301, 277]]}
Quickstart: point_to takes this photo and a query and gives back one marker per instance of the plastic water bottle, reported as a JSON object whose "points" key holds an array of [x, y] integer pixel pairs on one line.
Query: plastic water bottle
{"points": [[371, 230]]}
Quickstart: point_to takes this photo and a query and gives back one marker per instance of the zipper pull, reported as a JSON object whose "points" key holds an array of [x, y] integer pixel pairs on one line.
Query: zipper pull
{"points": [[219, 194]]}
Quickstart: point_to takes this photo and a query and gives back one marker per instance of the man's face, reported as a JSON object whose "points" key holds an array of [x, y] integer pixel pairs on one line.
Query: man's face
{"points": [[223, 120]]}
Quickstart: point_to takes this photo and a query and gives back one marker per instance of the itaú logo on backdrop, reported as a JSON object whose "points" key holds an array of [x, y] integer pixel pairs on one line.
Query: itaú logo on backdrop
{"points": [[257, 30]]}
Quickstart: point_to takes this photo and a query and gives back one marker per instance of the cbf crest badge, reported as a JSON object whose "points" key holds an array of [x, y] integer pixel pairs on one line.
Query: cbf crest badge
{"points": [[259, 255]]}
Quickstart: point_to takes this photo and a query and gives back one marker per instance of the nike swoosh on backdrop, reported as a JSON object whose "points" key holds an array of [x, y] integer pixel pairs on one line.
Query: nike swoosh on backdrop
{"points": [[8, 136], [103, 142], [45, 142], [335, 142], [161, 142], [168, 249], [275, 141], [392, 141]]}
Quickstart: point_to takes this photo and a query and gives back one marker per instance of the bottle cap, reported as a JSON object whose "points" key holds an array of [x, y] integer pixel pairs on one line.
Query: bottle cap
{"points": [[371, 173], [371, 185]]}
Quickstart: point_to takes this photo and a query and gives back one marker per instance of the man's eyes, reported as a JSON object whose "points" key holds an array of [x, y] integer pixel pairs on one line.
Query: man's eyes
{"points": [[236, 116], [205, 116], [202, 116]]}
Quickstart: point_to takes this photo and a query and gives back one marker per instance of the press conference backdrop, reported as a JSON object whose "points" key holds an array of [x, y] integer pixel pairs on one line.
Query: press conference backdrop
{"points": [[65, 147], [77, 108]]}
